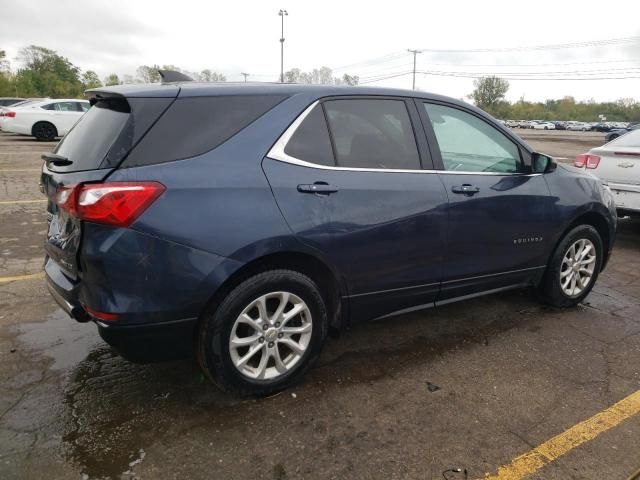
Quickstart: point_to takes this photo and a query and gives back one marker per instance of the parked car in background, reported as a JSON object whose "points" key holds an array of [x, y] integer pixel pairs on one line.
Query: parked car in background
{"points": [[617, 132], [602, 127], [294, 209], [524, 124], [578, 126], [560, 125], [43, 119], [6, 101], [512, 123], [543, 126], [618, 163]]}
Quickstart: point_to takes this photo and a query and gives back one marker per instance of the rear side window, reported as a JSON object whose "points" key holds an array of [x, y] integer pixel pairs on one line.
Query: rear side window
{"points": [[310, 142], [89, 141], [372, 133], [195, 125]]}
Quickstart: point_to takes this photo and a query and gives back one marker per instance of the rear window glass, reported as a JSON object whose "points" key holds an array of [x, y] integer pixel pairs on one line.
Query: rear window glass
{"points": [[310, 142], [88, 142], [195, 125]]}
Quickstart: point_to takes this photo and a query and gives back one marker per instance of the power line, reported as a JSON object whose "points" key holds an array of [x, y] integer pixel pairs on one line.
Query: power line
{"points": [[557, 46], [631, 76]]}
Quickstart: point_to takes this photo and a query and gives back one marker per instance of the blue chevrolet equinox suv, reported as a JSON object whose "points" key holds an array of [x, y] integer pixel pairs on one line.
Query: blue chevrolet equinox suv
{"points": [[243, 222]]}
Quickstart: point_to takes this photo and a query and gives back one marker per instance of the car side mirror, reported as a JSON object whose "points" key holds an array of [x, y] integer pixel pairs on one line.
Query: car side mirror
{"points": [[541, 163]]}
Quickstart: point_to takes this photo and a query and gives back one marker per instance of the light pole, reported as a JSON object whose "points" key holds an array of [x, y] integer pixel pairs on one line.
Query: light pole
{"points": [[245, 75], [282, 13], [415, 52]]}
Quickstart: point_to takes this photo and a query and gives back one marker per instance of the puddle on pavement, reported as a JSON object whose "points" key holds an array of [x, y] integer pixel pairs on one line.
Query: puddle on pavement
{"points": [[61, 338]]}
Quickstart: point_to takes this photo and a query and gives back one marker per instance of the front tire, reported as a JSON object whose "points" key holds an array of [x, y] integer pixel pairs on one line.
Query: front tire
{"points": [[44, 131], [265, 334], [573, 269]]}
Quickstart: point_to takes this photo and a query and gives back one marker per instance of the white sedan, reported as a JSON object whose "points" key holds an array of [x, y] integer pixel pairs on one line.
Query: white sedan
{"points": [[543, 126], [618, 163], [45, 119]]}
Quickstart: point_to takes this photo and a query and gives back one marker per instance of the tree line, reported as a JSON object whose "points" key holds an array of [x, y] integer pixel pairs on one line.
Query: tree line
{"points": [[45, 73], [489, 95]]}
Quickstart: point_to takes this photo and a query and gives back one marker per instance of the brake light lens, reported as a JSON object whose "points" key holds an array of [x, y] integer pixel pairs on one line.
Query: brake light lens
{"points": [[587, 160], [109, 317], [8, 114], [114, 203]]}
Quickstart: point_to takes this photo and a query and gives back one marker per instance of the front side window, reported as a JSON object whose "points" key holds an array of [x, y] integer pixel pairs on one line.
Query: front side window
{"points": [[372, 133], [469, 144]]}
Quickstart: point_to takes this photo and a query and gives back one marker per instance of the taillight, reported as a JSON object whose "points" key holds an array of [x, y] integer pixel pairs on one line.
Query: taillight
{"points": [[587, 160], [102, 315], [8, 114], [115, 203]]}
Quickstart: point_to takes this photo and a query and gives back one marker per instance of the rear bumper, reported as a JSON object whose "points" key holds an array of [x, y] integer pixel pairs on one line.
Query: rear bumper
{"points": [[151, 343], [137, 343], [626, 196]]}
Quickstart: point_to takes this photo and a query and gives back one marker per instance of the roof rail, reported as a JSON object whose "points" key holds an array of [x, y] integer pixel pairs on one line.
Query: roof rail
{"points": [[169, 76]]}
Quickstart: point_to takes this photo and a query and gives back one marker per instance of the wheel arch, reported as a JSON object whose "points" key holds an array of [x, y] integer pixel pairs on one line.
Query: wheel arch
{"points": [[44, 121], [597, 221], [305, 263]]}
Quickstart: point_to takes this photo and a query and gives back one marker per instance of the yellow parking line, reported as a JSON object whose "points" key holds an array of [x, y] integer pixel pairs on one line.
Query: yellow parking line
{"points": [[557, 446], [31, 276], [11, 202]]}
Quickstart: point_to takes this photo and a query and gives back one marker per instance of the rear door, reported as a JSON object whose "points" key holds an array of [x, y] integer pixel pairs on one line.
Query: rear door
{"points": [[348, 178], [500, 215], [91, 150]]}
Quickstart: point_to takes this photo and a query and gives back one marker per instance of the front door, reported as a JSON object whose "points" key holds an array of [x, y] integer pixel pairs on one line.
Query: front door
{"points": [[357, 193], [499, 212]]}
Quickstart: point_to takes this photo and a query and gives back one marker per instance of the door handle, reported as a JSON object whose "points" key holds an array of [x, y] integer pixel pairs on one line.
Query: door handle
{"points": [[465, 189], [322, 188]]}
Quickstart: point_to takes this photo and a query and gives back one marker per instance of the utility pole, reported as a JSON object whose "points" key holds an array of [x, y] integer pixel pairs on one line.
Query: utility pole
{"points": [[245, 75], [282, 13], [415, 52]]}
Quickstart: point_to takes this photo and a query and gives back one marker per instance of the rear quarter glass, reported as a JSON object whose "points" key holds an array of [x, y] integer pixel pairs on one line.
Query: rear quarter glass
{"points": [[195, 125]]}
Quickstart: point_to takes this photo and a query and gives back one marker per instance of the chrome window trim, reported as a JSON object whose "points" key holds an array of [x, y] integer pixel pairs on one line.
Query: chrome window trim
{"points": [[277, 153]]}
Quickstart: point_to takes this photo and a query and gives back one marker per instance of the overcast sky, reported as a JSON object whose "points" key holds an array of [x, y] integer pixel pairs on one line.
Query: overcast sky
{"points": [[364, 38]]}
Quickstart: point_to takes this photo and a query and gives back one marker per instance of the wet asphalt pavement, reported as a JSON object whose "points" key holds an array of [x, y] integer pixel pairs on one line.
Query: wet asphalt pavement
{"points": [[470, 385]]}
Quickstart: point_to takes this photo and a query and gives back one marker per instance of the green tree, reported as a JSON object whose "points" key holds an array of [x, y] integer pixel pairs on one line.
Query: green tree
{"points": [[489, 92], [46, 73], [111, 79], [148, 74], [90, 79]]}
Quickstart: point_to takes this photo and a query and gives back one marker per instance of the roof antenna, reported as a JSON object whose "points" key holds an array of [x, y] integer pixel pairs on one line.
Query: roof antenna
{"points": [[169, 76]]}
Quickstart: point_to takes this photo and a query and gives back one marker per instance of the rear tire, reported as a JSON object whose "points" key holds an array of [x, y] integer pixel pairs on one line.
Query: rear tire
{"points": [[251, 324], [573, 268], [44, 131]]}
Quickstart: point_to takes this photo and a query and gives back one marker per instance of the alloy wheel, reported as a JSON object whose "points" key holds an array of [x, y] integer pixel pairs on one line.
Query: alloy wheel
{"points": [[578, 266], [270, 335]]}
